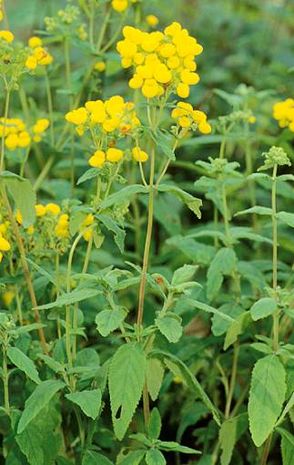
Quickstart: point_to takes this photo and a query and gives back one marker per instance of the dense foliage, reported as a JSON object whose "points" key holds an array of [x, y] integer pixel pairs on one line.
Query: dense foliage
{"points": [[146, 232]]}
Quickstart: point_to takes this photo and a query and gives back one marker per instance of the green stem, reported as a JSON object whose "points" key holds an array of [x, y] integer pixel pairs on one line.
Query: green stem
{"points": [[50, 108], [147, 240], [5, 376], [275, 255], [6, 110], [233, 381]]}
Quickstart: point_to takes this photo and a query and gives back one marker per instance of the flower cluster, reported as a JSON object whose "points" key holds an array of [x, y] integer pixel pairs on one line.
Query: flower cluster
{"points": [[17, 135], [163, 62], [4, 243], [113, 115], [38, 55], [189, 119], [283, 112]]}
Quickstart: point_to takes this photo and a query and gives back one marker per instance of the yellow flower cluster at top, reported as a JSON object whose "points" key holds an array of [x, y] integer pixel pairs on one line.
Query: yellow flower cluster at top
{"points": [[38, 55], [4, 243], [189, 119], [17, 135], [121, 5], [164, 62], [283, 112]]}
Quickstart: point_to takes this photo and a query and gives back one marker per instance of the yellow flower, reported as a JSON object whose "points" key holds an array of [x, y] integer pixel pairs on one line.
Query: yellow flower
{"points": [[139, 155], [40, 210], [11, 141], [62, 227], [31, 62], [34, 42], [78, 116], [41, 125], [152, 20], [114, 155], [188, 118], [100, 66], [24, 139], [4, 245], [30, 230], [88, 221], [283, 112], [168, 58], [1, 15], [52, 208], [119, 5], [18, 217], [97, 160], [7, 36], [8, 297]]}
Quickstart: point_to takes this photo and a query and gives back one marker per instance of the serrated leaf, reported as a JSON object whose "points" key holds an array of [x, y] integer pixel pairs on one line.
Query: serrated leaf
{"points": [[183, 274], [40, 397], [170, 327], [190, 381], [154, 377], [134, 457], [69, 298], [123, 194], [266, 397], [176, 447], [154, 425], [111, 225], [109, 320], [235, 329], [263, 308], [89, 401], [89, 174], [287, 218], [93, 458], [223, 264], [287, 446], [24, 363], [126, 380], [155, 457], [193, 203]]}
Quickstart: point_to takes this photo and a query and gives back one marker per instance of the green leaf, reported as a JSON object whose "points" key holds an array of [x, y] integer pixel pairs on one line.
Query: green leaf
{"points": [[154, 426], [93, 458], [190, 381], [40, 397], [89, 174], [209, 309], [235, 329], [109, 320], [134, 457], [155, 457], [111, 225], [263, 308], [123, 194], [69, 298], [170, 327], [154, 377], [183, 274], [266, 397], [258, 210], [223, 264], [193, 203], [88, 401], [24, 363], [287, 218], [176, 447], [227, 437], [287, 446], [126, 380], [229, 434], [23, 195]]}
